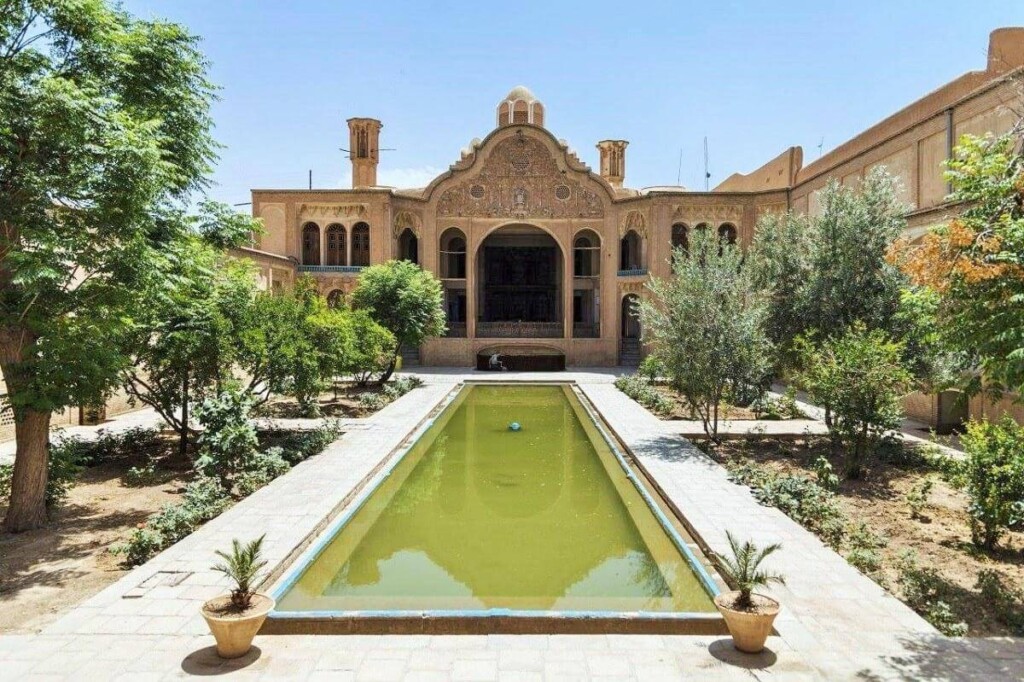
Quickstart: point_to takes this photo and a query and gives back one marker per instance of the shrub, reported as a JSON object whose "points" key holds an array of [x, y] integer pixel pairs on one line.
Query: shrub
{"points": [[229, 438], [637, 388], [825, 474], [64, 469], [6, 471], [651, 368], [922, 589], [373, 401], [863, 544], [917, 496], [140, 546], [992, 474], [260, 470], [859, 379], [136, 477], [1007, 601]]}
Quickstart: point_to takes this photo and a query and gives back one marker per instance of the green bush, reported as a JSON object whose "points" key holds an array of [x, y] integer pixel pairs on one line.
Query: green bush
{"points": [[637, 388], [64, 469], [1007, 601], [651, 368], [863, 545], [6, 471], [142, 544], [228, 439], [136, 477], [825, 474], [992, 474], [917, 496], [922, 590]]}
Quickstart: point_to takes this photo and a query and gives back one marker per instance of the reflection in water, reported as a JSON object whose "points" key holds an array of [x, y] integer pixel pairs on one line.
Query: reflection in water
{"points": [[477, 516]]}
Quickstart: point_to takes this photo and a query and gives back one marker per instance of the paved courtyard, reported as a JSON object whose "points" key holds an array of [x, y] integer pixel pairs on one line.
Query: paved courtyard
{"points": [[836, 624]]}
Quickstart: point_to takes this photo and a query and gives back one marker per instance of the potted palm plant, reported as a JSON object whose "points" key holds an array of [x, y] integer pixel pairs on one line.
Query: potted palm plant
{"points": [[235, 618], [749, 616]]}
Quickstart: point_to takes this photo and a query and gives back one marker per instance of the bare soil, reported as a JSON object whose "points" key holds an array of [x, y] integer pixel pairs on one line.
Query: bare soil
{"points": [[344, 402], [940, 537], [46, 572]]}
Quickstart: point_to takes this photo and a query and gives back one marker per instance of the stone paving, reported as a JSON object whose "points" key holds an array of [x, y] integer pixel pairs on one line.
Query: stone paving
{"points": [[835, 623]]}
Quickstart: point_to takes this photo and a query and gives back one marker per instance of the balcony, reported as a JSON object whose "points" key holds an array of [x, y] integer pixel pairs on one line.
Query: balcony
{"points": [[633, 272], [586, 331], [519, 330], [334, 269], [456, 330]]}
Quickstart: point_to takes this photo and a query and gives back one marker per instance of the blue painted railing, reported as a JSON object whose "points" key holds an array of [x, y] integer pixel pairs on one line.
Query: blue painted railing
{"points": [[634, 272], [331, 268]]}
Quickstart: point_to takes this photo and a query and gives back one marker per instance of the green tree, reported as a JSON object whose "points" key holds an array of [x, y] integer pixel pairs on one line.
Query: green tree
{"points": [[186, 334], [972, 268], [780, 263], [371, 349], [404, 299], [707, 326], [104, 135], [859, 379]]}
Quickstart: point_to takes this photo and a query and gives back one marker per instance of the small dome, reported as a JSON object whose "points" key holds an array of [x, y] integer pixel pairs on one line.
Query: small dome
{"points": [[521, 92]]}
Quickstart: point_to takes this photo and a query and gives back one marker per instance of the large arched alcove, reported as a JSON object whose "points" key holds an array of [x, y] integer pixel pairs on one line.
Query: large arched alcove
{"points": [[519, 271], [408, 246]]}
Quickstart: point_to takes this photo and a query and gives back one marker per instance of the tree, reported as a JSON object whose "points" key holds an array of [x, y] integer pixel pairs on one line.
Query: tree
{"points": [[972, 269], [371, 350], [104, 135], [186, 334], [859, 379], [405, 300], [825, 273], [780, 263], [707, 326]]}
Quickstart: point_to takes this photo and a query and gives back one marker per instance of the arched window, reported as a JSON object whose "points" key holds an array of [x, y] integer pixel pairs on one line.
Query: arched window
{"points": [[680, 238], [336, 247], [360, 244], [629, 252], [586, 255], [727, 233], [311, 244], [408, 246], [335, 299], [452, 256]]}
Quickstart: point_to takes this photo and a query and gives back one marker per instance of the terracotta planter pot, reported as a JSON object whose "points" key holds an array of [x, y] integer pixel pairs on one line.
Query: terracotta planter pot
{"points": [[749, 629], [234, 631]]}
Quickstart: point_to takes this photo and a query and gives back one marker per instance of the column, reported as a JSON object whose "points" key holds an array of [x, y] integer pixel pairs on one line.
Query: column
{"points": [[471, 293]]}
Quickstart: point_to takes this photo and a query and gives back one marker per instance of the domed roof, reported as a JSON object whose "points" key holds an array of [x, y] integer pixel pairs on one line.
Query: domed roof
{"points": [[521, 92]]}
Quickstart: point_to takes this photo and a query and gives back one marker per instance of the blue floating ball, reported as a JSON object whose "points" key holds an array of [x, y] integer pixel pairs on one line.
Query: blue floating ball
{"points": [[514, 426]]}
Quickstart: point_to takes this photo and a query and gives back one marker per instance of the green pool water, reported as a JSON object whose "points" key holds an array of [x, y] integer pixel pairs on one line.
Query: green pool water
{"points": [[477, 517]]}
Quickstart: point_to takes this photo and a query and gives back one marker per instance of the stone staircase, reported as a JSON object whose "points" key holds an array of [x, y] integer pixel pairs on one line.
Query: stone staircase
{"points": [[629, 352], [410, 356]]}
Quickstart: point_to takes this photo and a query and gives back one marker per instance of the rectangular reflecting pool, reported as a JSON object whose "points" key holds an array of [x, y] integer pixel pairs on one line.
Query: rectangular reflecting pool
{"points": [[477, 520]]}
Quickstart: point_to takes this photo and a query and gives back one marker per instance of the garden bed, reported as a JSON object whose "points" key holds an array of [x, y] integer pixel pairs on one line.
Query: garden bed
{"points": [[125, 482], [666, 404], [346, 399], [925, 557]]}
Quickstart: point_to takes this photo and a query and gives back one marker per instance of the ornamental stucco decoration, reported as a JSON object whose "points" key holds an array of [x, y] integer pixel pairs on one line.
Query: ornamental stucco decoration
{"points": [[713, 215], [519, 179], [765, 209], [634, 220], [406, 220], [326, 211]]}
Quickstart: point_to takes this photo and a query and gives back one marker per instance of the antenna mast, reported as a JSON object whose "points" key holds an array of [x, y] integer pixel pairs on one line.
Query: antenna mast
{"points": [[707, 174], [679, 172]]}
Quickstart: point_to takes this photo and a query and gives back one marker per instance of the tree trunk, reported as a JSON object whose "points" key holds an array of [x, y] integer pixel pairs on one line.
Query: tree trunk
{"points": [[27, 509], [183, 434], [390, 370]]}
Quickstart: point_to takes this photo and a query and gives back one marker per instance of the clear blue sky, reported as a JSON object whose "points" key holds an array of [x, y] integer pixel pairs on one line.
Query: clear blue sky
{"points": [[754, 77]]}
